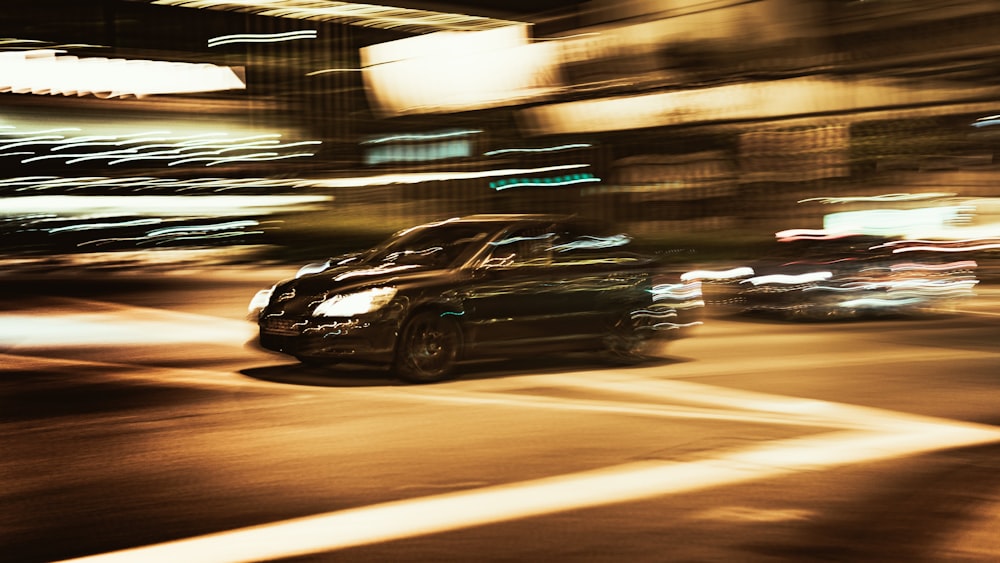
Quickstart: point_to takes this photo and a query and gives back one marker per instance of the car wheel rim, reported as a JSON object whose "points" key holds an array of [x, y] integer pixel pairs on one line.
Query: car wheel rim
{"points": [[431, 347]]}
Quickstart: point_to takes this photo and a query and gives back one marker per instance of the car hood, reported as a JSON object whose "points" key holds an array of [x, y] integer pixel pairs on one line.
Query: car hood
{"points": [[298, 295]]}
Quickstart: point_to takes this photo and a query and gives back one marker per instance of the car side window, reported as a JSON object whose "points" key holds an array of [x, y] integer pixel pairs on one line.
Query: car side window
{"points": [[529, 246], [579, 246]]}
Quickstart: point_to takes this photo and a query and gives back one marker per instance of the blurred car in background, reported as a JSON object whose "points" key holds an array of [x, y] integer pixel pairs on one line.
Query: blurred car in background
{"points": [[844, 277], [478, 286]]}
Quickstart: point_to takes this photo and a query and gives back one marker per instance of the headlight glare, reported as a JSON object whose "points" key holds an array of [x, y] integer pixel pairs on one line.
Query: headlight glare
{"points": [[351, 304], [260, 300]]}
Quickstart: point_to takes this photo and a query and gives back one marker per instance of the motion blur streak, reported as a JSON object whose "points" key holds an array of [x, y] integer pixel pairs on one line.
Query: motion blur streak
{"points": [[790, 279], [133, 326], [810, 234], [262, 37], [732, 273], [423, 136], [130, 147], [911, 266], [217, 205], [559, 181], [418, 177], [938, 248], [612, 485], [877, 302], [542, 149], [140, 183], [879, 198], [43, 72]]}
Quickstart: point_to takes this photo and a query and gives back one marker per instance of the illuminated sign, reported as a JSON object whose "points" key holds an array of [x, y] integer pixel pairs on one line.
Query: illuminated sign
{"points": [[45, 71], [364, 15], [547, 182], [451, 71], [416, 153], [756, 100]]}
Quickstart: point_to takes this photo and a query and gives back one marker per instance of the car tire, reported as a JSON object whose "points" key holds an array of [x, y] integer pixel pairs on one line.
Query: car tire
{"points": [[627, 342], [428, 348]]}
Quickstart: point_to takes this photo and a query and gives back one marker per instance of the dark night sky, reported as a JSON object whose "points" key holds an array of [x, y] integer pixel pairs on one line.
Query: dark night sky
{"points": [[495, 8]]}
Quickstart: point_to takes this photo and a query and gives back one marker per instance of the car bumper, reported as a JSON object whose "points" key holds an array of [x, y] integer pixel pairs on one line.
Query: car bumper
{"points": [[367, 340]]}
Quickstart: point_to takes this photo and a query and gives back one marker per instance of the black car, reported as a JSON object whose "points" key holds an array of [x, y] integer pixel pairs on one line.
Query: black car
{"points": [[484, 286]]}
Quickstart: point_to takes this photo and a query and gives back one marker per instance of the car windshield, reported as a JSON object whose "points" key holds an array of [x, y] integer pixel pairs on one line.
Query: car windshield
{"points": [[436, 246]]}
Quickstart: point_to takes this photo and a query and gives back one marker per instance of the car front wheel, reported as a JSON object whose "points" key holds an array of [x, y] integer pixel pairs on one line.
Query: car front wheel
{"points": [[428, 348]]}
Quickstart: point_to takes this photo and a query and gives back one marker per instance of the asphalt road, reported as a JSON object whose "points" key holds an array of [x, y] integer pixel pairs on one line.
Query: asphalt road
{"points": [[137, 425]]}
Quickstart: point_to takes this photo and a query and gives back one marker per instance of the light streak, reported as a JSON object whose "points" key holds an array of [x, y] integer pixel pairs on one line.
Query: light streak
{"points": [[732, 273], [208, 236], [197, 228], [811, 234], [95, 226], [910, 266], [42, 132], [788, 279], [40, 183], [31, 141], [329, 70], [656, 314], [880, 302], [175, 149], [879, 198], [422, 136], [511, 240], [685, 290], [374, 271], [420, 177], [534, 150], [959, 243], [675, 326], [262, 37], [972, 248], [544, 182], [987, 121], [594, 242], [144, 205], [256, 157]]}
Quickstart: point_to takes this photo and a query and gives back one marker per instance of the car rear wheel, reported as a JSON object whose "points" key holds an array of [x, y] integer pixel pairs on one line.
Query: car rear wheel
{"points": [[628, 342], [428, 348]]}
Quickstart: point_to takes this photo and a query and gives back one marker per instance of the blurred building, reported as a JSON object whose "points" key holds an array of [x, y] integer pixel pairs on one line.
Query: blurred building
{"points": [[671, 115]]}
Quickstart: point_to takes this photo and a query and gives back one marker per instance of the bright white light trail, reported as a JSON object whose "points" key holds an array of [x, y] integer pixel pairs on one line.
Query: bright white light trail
{"points": [[149, 145], [543, 149], [262, 37]]}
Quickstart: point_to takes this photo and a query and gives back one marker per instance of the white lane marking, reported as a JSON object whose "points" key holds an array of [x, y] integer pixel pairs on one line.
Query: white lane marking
{"points": [[828, 413], [614, 485], [626, 408]]}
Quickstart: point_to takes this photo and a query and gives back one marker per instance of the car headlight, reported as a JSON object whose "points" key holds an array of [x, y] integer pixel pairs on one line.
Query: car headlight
{"points": [[314, 268], [357, 303], [260, 300]]}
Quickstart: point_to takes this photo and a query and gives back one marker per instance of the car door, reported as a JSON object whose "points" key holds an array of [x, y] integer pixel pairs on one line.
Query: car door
{"points": [[513, 300], [598, 282]]}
